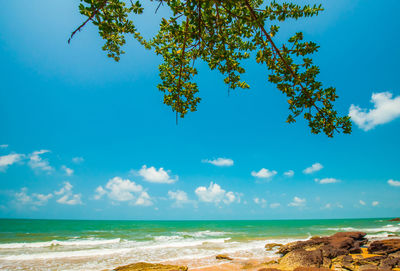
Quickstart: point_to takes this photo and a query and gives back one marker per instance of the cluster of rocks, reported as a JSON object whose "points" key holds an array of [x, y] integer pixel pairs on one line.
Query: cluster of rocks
{"points": [[341, 251], [150, 267]]}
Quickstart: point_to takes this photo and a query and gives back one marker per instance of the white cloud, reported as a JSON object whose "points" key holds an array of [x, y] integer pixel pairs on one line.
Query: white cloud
{"points": [[328, 206], [118, 189], [214, 193], [67, 195], [314, 168], [37, 162], [4, 146], [327, 180], [264, 173], [385, 110], [219, 162], [289, 173], [33, 200], [274, 205], [393, 182], [260, 201], [298, 202], [180, 197], [143, 199], [375, 203], [362, 202], [153, 175], [8, 160], [78, 160], [99, 192], [68, 171]]}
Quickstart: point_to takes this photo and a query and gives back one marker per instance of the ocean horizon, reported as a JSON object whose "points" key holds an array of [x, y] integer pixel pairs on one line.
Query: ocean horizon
{"points": [[45, 244]]}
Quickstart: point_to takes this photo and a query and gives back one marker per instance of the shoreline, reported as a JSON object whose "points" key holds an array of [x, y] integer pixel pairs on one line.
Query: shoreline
{"points": [[340, 251]]}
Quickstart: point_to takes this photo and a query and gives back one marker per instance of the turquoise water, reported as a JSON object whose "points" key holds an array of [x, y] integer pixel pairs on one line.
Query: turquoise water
{"points": [[97, 245]]}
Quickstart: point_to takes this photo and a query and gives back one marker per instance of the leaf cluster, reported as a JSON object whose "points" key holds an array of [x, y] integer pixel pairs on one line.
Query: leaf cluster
{"points": [[223, 33]]}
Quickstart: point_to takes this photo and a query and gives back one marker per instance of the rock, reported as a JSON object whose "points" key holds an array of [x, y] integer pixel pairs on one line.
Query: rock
{"points": [[375, 260], [270, 246], [384, 246], [301, 258], [341, 243], [150, 267], [392, 261], [343, 262], [395, 219], [371, 268], [311, 269], [223, 257]]}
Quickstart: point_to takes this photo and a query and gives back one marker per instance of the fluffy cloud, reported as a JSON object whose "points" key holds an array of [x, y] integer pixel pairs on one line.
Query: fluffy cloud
{"points": [[180, 197], [67, 196], [8, 160], [153, 175], [393, 182], [118, 189], [289, 173], [327, 180], [68, 171], [78, 160], [385, 110], [219, 162], [274, 205], [33, 200], [264, 173], [262, 202], [314, 168], [143, 199], [214, 193], [298, 202], [37, 162], [375, 203], [362, 202]]}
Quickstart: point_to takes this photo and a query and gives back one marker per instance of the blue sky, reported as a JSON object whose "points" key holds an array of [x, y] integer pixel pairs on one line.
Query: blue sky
{"points": [[84, 137]]}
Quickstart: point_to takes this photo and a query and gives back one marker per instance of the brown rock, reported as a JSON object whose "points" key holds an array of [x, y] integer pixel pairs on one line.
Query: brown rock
{"points": [[311, 269], [384, 246], [395, 219], [223, 257], [343, 262], [392, 261], [301, 258], [341, 243], [150, 267], [271, 246]]}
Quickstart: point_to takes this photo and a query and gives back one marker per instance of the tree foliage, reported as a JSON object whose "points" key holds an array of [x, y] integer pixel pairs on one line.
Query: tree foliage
{"points": [[223, 33]]}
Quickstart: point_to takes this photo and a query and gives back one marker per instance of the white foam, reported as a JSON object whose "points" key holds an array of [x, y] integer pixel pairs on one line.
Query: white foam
{"points": [[386, 228], [83, 242]]}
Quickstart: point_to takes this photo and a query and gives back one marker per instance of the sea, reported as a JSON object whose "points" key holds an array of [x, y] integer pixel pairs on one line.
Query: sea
{"points": [[28, 244]]}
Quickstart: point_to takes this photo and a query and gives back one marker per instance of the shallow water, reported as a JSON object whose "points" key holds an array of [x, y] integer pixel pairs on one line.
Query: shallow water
{"points": [[97, 245]]}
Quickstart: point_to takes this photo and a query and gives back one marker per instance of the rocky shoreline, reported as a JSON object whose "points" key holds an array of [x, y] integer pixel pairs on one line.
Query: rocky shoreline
{"points": [[341, 251]]}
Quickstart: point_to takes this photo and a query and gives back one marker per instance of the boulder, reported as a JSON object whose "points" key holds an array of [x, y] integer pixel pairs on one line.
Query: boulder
{"points": [[343, 262], [150, 267], [301, 258], [271, 246], [223, 257], [392, 261], [341, 243], [383, 247], [395, 219], [311, 269]]}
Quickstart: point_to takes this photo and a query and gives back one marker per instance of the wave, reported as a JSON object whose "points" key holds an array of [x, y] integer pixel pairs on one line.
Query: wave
{"points": [[386, 228], [84, 242]]}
